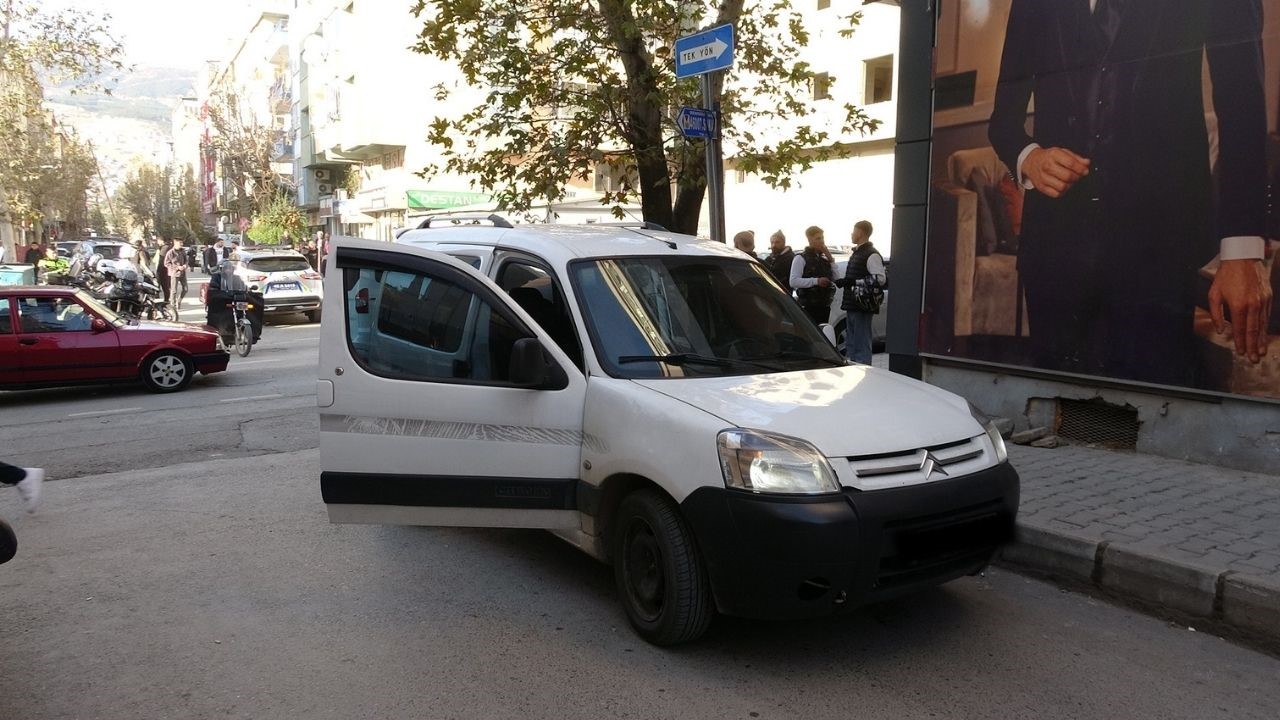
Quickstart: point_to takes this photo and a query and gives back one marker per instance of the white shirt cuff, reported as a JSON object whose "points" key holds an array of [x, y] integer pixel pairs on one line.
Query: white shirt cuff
{"points": [[1242, 247], [1022, 156]]}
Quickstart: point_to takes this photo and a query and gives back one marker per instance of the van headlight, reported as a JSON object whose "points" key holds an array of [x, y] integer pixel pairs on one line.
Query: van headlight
{"points": [[766, 463], [993, 433]]}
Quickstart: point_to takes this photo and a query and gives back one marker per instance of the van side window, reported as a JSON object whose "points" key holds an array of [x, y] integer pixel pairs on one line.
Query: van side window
{"points": [[537, 293], [414, 326]]}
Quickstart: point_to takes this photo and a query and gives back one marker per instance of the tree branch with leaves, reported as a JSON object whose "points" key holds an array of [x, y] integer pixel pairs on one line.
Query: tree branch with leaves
{"points": [[572, 85]]}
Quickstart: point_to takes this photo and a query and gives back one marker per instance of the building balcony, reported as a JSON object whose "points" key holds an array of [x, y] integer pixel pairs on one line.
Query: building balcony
{"points": [[282, 148], [365, 151]]}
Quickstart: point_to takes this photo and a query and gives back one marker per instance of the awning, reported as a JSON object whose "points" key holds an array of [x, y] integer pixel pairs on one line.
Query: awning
{"points": [[441, 199]]}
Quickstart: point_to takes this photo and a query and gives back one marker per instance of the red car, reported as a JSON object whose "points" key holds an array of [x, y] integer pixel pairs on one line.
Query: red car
{"points": [[62, 336]]}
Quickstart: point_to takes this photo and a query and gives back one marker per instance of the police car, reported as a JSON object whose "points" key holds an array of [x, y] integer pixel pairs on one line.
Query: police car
{"points": [[659, 402]]}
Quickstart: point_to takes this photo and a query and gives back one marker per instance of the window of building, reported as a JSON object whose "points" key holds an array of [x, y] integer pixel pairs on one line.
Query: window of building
{"points": [[740, 176], [821, 86], [824, 4], [879, 80]]}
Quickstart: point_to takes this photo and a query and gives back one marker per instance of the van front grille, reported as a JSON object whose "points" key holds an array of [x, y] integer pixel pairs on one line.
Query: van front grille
{"points": [[917, 466]]}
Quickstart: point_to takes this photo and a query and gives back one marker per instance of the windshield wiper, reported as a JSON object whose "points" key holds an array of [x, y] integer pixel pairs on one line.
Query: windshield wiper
{"points": [[691, 359], [801, 355]]}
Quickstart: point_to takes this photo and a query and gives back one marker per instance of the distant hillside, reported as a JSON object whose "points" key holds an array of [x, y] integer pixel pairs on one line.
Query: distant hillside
{"points": [[152, 82], [147, 94]]}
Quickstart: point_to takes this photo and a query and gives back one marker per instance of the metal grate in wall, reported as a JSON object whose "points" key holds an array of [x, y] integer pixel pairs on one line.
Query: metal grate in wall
{"points": [[1098, 423]]}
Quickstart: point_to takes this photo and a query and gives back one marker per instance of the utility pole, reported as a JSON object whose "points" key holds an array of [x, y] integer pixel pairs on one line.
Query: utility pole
{"points": [[102, 183]]}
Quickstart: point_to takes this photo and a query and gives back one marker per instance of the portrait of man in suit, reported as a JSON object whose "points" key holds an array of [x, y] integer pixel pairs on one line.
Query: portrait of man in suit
{"points": [[1100, 115]]}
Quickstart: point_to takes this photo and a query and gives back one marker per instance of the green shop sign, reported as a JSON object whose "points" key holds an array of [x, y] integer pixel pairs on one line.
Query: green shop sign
{"points": [[438, 199]]}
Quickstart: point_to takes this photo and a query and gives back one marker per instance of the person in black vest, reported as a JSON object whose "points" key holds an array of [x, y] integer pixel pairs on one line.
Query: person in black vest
{"points": [[780, 258], [812, 277], [866, 269], [1120, 208]]}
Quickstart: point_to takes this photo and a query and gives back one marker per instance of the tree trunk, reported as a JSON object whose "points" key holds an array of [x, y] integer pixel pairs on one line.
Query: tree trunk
{"points": [[644, 117], [644, 125], [691, 189]]}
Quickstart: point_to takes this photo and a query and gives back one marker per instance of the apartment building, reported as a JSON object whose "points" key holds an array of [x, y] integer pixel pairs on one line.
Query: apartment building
{"points": [[362, 104], [834, 194], [251, 91]]}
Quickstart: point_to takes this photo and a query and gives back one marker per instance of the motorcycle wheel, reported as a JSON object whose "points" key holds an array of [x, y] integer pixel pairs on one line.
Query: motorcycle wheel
{"points": [[244, 339]]}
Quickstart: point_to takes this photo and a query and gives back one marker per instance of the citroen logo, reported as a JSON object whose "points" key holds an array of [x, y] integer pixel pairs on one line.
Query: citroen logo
{"points": [[931, 464]]}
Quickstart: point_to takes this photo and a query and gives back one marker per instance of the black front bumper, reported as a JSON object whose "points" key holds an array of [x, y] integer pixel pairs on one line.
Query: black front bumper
{"points": [[793, 557]]}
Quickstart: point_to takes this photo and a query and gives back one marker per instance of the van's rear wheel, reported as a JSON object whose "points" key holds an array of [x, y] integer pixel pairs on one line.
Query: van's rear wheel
{"points": [[660, 577]]}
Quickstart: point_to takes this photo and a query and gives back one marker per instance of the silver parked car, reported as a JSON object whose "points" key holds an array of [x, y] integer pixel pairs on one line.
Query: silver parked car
{"points": [[286, 280]]}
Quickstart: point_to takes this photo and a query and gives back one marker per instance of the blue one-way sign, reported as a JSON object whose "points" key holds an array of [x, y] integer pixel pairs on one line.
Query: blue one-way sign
{"points": [[696, 122], [705, 51]]}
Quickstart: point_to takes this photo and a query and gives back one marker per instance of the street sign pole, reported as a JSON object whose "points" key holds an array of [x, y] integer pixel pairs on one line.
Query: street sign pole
{"points": [[715, 163], [708, 53]]}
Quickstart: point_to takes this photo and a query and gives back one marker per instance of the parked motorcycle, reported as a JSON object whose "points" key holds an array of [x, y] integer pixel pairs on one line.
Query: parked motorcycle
{"points": [[135, 297]]}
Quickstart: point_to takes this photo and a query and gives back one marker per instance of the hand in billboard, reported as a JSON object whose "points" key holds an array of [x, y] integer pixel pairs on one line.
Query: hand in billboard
{"points": [[1053, 171], [1241, 286]]}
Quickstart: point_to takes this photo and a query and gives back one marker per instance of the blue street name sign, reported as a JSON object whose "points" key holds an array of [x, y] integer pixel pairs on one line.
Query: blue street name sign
{"points": [[705, 51], [696, 122]]}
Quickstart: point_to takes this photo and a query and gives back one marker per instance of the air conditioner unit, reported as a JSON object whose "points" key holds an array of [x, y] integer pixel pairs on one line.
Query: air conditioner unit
{"points": [[322, 175], [324, 188]]}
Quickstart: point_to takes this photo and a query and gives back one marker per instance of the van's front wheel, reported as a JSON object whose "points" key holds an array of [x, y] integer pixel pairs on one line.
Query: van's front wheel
{"points": [[660, 577]]}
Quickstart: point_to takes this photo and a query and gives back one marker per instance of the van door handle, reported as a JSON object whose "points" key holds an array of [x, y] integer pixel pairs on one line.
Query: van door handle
{"points": [[28, 341]]}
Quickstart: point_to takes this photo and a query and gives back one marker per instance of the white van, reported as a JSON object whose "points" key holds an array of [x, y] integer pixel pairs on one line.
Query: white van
{"points": [[659, 402]]}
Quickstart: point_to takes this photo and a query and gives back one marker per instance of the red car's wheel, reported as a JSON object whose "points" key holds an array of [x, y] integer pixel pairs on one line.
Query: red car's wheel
{"points": [[167, 372]]}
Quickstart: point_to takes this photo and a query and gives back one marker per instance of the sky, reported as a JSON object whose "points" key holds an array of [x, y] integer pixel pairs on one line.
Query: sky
{"points": [[168, 33]]}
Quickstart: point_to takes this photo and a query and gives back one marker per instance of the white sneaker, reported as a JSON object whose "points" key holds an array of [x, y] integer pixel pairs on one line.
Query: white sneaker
{"points": [[30, 488]]}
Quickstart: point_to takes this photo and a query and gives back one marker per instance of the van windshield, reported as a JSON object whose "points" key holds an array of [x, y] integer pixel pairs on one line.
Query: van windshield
{"points": [[694, 317]]}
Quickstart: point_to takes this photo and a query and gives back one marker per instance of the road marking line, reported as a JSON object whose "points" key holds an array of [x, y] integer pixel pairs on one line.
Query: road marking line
{"points": [[96, 413], [253, 397]]}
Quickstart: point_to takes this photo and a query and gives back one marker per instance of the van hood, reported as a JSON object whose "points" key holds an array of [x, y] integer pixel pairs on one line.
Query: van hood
{"points": [[844, 411]]}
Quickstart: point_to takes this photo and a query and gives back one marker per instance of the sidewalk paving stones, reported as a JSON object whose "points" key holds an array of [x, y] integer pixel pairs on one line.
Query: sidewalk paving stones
{"points": [[1197, 540]]}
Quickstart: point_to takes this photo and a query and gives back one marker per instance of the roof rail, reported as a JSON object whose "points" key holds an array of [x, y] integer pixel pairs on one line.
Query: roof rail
{"points": [[647, 225], [496, 219]]}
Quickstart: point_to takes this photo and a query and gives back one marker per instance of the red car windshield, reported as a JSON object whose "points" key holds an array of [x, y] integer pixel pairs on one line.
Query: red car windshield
{"points": [[102, 310]]}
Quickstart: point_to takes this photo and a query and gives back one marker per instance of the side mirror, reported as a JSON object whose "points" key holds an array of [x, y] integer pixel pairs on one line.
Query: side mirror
{"points": [[99, 325], [829, 333], [528, 363]]}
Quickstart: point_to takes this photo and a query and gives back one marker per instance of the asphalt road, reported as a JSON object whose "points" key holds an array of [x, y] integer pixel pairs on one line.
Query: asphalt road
{"points": [[217, 589], [202, 579], [262, 403]]}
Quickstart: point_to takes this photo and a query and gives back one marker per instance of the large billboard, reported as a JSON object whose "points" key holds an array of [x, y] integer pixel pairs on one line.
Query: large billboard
{"points": [[1103, 190]]}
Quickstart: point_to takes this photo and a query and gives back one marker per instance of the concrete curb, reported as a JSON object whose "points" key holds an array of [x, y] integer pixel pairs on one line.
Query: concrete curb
{"points": [[1244, 604]]}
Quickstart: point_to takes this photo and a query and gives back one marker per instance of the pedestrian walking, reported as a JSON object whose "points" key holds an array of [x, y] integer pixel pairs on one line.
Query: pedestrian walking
{"points": [[29, 481], [779, 259], [34, 254], [812, 276], [745, 241], [863, 282], [175, 262], [212, 256]]}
